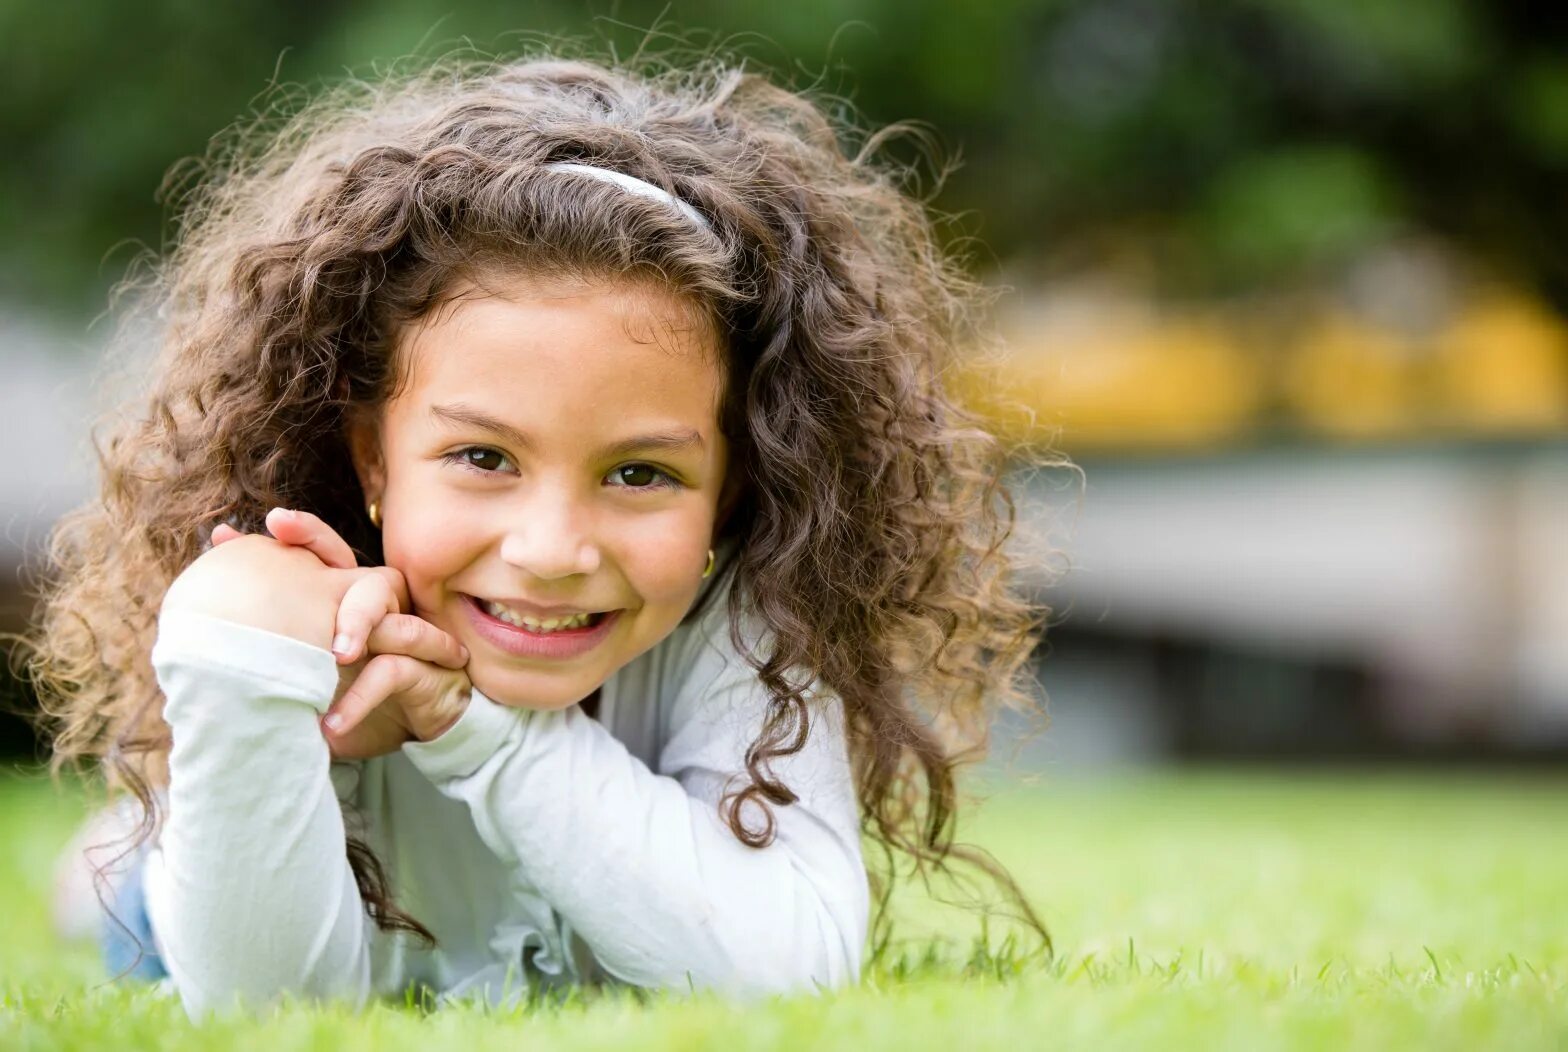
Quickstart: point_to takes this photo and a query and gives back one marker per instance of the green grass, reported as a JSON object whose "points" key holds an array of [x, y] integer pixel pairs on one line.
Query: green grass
{"points": [[1236, 910]]}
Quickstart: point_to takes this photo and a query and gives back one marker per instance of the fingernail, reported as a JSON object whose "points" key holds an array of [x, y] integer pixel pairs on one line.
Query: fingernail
{"points": [[333, 721], [342, 646]]}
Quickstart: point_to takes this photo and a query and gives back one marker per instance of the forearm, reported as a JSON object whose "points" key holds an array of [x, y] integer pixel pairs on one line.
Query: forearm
{"points": [[643, 867], [250, 891]]}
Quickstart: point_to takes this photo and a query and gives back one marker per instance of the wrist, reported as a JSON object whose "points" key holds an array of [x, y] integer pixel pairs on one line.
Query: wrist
{"points": [[443, 716], [484, 730]]}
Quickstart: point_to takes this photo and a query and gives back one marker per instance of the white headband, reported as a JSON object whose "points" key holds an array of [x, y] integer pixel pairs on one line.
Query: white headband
{"points": [[636, 186]]}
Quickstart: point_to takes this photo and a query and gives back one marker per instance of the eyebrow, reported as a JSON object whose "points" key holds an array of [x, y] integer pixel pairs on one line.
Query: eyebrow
{"points": [[676, 441]]}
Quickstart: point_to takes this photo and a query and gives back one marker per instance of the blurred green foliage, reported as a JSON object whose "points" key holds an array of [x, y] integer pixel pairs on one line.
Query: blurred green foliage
{"points": [[1233, 142]]}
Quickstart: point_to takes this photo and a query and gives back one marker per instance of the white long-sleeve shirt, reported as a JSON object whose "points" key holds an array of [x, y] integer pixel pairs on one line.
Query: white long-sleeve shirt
{"points": [[540, 847]]}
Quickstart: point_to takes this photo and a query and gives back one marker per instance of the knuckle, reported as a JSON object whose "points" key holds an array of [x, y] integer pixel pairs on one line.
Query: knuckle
{"points": [[395, 584], [400, 668], [382, 664], [378, 670], [434, 684], [388, 575], [405, 629]]}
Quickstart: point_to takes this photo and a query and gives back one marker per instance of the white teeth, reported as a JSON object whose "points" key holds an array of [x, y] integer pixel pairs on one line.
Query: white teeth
{"points": [[533, 624]]}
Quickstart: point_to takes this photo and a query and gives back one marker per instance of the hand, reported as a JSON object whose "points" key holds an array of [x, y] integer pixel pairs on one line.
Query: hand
{"points": [[412, 685], [260, 582]]}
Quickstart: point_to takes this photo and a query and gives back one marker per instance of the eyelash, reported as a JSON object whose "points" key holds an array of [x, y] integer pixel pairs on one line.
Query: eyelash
{"points": [[460, 458]]}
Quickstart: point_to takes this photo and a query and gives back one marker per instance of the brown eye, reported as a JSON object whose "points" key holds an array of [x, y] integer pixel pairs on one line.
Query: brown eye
{"points": [[637, 475], [479, 458], [640, 476]]}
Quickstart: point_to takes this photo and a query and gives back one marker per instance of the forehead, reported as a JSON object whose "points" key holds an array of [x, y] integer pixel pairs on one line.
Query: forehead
{"points": [[536, 350]]}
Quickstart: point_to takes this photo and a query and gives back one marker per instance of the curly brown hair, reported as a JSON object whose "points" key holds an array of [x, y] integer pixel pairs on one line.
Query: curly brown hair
{"points": [[870, 526]]}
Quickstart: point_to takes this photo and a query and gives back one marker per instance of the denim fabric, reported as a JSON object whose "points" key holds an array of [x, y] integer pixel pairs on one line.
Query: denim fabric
{"points": [[130, 954]]}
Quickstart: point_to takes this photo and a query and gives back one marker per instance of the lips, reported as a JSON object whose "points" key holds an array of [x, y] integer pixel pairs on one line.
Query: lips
{"points": [[552, 622], [520, 641]]}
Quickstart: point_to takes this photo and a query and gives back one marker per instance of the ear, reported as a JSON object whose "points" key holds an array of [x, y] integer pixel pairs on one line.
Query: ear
{"points": [[364, 447]]}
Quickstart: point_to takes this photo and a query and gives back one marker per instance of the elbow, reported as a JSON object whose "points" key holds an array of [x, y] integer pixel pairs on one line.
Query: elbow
{"points": [[789, 948], [223, 993], [223, 960], [217, 977], [815, 969], [817, 949]]}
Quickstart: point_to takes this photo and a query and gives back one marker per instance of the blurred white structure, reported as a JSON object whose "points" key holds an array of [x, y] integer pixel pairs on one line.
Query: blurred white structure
{"points": [[1445, 569]]}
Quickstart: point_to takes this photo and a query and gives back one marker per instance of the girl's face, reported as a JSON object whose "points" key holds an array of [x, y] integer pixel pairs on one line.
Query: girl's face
{"points": [[554, 453]]}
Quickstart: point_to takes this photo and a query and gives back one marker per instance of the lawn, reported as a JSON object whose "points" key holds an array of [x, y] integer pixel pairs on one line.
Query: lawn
{"points": [[1338, 910]]}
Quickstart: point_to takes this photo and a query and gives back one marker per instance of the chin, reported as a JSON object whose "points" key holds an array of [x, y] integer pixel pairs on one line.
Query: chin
{"points": [[516, 692]]}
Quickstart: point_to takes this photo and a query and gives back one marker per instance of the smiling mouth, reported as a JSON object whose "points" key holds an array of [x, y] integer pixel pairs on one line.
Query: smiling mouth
{"points": [[542, 626]]}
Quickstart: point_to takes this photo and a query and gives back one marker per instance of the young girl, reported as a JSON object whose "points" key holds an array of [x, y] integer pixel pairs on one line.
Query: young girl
{"points": [[548, 549]]}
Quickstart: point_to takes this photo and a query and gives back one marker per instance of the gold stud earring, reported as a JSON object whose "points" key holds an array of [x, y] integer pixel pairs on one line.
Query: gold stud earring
{"points": [[707, 571], [374, 511]]}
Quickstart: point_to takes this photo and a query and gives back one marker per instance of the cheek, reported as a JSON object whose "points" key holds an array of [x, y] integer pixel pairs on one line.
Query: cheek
{"points": [[662, 561], [427, 548]]}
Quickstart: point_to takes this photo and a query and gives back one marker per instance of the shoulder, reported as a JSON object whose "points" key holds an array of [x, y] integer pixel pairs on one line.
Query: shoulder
{"points": [[708, 684], [718, 709], [702, 651]]}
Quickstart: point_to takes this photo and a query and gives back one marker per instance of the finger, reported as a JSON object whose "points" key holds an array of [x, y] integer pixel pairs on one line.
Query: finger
{"points": [[224, 532], [383, 676], [414, 636], [367, 601], [304, 530], [397, 583]]}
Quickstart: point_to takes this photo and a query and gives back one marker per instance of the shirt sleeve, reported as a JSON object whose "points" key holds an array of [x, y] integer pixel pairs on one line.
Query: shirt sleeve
{"points": [[249, 889], [641, 865]]}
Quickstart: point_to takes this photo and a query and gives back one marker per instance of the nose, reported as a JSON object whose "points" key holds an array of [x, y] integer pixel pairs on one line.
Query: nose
{"points": [[550, 537]]}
